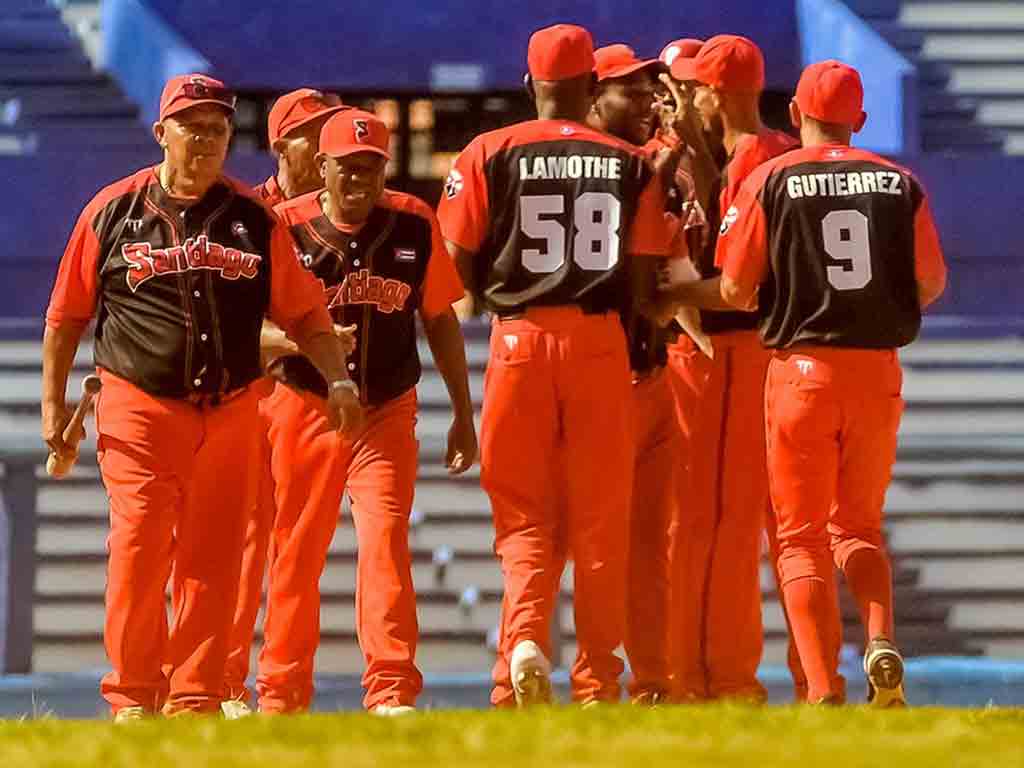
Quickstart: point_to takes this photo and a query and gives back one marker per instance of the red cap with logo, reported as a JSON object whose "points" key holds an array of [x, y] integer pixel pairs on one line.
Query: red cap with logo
{"points": [[682, 50], [187, 91], [353, 130], [298, 108], [831, 92], [619, 60], [726, 62], [561, 52]]}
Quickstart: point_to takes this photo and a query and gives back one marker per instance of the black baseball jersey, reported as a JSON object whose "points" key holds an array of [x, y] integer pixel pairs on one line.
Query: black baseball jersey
{"points": [[180, 290], [375, 278], [552, 209], [835, 237]]}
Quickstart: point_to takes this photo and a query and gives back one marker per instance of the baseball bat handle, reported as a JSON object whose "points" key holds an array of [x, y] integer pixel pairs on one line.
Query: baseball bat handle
{"points": [[60, 466]]}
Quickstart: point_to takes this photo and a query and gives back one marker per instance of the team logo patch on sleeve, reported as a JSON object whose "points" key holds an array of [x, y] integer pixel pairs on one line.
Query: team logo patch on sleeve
{"points": [[730, 218], [453, 184], [405, 254]]}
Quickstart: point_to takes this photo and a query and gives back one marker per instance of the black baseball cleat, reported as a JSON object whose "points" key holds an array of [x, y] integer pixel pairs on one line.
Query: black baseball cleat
{"points": [[883, 666]]}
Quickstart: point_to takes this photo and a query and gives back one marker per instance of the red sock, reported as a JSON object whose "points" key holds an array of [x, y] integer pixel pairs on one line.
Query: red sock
{"points": [[869, 575], [814, 619]]}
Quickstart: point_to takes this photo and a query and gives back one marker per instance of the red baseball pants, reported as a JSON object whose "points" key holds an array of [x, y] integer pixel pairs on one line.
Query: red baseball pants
{"points": [[557, 453], [831, 420], [254, 566], [182, 485], [312, 467], [717, 630], [655, 484]]}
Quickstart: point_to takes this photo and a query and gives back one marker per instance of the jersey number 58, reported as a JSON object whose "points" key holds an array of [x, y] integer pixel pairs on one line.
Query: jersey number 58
{"points": [[596, 219]]}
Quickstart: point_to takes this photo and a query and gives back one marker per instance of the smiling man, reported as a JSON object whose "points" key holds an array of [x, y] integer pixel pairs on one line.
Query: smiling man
{"points": [[293, 130], [380, 260], [183, 264]]}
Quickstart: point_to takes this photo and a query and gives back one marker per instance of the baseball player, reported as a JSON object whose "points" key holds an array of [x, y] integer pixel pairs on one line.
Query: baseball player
{"points": [[550, 222], [838, 250], [293, 130], [380, 259], [623, 107], [179, 264], [719, 632]]}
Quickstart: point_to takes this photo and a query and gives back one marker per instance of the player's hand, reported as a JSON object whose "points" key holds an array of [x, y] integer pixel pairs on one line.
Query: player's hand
{"points": [[55, 418], [274, 343], [462, 446], [345, 410], [678, 118], [665, 163], [347, 334]]}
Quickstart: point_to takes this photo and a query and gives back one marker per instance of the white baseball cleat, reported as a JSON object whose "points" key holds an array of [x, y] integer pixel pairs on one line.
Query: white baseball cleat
{"points": [[531, 674], [883, 666], [393, 710], [235, 709], [130, 715]]}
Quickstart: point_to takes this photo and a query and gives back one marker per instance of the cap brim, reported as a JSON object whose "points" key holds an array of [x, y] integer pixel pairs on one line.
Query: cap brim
{"points": [[629, 69], [354, 149], [684, 69], [173, 110], [314, 116]]}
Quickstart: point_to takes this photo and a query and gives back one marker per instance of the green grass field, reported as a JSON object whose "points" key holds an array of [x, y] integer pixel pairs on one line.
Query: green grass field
{"points": [[564, 738]]}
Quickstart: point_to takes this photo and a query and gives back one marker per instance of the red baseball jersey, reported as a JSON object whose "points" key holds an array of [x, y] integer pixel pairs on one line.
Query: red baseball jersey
{"points": [[551, 208], [835, 238], [181, 291], [749, 152], [375, 277]]}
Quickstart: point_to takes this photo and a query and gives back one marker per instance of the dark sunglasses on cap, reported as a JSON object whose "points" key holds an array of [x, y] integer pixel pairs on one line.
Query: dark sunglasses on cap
{"points": [[204, 91]]}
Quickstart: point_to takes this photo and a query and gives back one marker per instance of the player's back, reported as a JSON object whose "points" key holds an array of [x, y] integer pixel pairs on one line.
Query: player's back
{"points": [[560, 201], [843, 235]]}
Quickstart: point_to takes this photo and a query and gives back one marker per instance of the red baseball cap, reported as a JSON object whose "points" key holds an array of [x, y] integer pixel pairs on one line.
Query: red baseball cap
{"points": [[298, 108], [619, 60], [353, 130], [726, 62], [832, 92], [186, 91], [561, 52], [685, 49]]}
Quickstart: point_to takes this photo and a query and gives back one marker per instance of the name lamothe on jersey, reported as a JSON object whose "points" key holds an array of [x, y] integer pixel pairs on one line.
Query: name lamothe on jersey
{"points": [[146, 262], [844, 184], [570, 167], [363, 288]]}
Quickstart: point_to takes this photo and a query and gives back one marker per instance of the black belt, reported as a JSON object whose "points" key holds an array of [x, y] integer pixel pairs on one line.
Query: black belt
{"points": [[213, 399]]}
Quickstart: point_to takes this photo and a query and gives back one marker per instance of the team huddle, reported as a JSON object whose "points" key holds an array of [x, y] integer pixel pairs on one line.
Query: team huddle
{"points": [[694, 331]]}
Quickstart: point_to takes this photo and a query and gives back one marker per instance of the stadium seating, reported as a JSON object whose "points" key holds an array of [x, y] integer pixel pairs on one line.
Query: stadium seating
{"points": [[956, 525], [47, 86], [966, 54]]}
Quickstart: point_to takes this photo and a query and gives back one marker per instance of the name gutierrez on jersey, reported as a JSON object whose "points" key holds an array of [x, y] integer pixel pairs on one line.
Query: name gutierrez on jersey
{"points": [[145, 261], [844, 184], [570, 167]]}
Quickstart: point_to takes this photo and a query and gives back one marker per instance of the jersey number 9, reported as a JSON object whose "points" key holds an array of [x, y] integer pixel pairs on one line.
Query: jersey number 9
{"points": [[848, 241], [596, 220]]}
